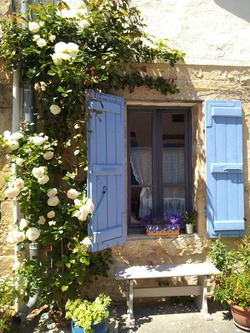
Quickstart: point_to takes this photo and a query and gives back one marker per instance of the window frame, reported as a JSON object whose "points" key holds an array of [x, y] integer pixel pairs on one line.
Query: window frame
{"points": [[187, 112]]}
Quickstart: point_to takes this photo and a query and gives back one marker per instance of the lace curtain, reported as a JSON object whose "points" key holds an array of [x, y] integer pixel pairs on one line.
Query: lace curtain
{"points": [[141, 163], [173, 172]]}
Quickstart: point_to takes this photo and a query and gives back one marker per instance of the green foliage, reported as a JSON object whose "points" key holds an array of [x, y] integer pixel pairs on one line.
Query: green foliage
{"points": [[233, 284], [189, 218], [110, 38], [85, 313], [7, 298]]}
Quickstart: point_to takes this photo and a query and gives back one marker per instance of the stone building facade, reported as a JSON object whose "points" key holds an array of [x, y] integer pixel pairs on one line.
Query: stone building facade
{"points": [[213, 34]]}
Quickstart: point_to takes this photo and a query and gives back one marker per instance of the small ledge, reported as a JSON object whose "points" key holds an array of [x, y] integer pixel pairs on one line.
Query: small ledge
{"points": [[136, 237]]}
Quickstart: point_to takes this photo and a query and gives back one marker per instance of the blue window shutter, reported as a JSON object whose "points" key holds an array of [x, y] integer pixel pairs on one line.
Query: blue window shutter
{"points": [[106, 172], [224, 169]]}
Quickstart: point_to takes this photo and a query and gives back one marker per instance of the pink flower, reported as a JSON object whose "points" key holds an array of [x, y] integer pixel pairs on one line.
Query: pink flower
{"points": [[18, 183]]}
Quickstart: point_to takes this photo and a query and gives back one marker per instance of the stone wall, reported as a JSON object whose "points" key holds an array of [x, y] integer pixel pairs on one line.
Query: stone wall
{"points": [[6, 253], [197, 83]]}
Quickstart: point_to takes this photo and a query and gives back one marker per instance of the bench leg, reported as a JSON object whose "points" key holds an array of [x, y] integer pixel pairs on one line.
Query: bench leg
{"points": [[201, 300], [130, 310]]}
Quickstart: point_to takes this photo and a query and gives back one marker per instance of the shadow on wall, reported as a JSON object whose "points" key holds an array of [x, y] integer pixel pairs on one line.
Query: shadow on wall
{"points": [[240, 8]]}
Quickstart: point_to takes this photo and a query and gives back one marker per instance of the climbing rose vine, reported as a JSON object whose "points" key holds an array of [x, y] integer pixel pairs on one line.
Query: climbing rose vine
{"points": [[63, 55]]}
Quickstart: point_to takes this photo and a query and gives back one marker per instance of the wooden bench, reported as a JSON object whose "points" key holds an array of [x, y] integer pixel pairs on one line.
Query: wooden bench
{"points": [[202, 271]]}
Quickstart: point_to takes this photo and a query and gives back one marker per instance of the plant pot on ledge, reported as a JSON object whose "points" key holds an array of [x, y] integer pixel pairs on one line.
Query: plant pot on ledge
{"points": [[189, 228], [241, 317]]}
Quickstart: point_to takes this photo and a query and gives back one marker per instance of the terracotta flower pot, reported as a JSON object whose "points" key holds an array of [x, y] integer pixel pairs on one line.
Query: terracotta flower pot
{"points": [[241, 317]]}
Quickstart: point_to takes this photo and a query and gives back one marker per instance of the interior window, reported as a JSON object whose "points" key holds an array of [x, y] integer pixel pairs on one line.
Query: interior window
{"points": [[159, 155]]}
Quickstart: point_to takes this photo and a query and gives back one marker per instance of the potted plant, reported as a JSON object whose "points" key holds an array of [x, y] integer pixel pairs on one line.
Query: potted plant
{"points": [[162, 225], [190, 220], [233, 284], [88, 316]]}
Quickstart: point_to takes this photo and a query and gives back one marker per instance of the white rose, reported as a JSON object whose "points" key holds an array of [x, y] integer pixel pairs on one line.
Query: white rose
{"points": [[16, 136], [43, 180], [19, 161], [23, 224], [66, 56], [51, 214], [72, 49], [11, 192], [52, 38], [83, 24], [41, 42], [38, 172], [6, 135], [18, 183], [51, 223], [48, 155], [55, 109], [36, 37], [72, 194], [37, 140], [13, 144], [57, 58], [53, 201], [33, 27], [32, 234], [41, 220], [77, 202], [60, 47], [15, 237], [52, 192], [19, 236], [86, 241]]}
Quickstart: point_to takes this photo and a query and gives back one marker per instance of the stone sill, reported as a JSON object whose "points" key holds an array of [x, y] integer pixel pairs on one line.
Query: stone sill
{"points": [[134, 237]]}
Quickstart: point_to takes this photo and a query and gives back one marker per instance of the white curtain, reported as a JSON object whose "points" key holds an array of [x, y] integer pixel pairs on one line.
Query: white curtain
{"points": [[173, 172], [141, 163]]}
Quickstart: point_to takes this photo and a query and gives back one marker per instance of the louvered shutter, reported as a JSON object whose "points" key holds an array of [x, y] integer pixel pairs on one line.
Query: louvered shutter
{"points": [[224, 169], [106, 182]]}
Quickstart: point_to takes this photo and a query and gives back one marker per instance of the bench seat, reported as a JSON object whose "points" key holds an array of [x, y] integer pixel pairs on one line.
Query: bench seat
{"points": [[201, 270]]}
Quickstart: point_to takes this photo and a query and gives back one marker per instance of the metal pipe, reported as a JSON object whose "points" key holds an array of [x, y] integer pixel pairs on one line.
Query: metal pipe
{"points": [[28, 95], [21, 315]]}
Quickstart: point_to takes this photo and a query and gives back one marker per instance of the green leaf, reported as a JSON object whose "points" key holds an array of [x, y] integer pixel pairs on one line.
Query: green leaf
{"points": [[64, 288]]}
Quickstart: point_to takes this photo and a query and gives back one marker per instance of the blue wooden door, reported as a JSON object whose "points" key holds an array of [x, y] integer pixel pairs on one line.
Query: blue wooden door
{"points": [[224, 169], [106, 178]]}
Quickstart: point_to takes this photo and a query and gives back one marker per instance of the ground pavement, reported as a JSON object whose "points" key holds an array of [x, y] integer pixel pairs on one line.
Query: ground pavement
{"points": [[177, 315]]}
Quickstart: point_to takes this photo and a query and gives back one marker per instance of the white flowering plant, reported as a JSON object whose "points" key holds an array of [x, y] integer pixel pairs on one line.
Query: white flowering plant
{"points": [[54, 216], [62, 55]]}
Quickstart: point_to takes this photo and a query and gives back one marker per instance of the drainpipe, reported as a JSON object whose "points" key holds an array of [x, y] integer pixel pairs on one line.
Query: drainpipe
{"points": [[21, 315], [16, 119], [28, 97], [28, 101]]}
